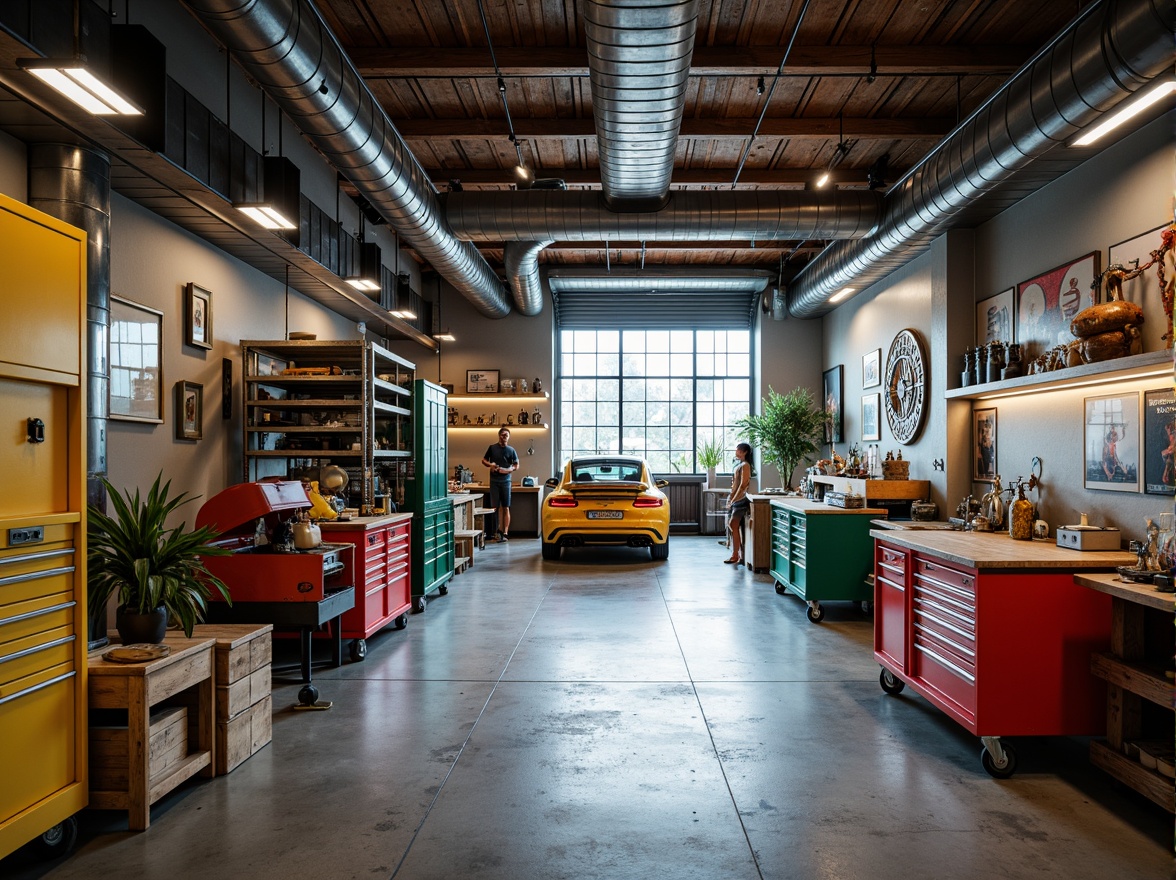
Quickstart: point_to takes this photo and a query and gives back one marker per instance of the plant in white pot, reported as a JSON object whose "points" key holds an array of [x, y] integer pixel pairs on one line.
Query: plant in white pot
{"points": [[788, 431], [710, 456], [156, 572]]}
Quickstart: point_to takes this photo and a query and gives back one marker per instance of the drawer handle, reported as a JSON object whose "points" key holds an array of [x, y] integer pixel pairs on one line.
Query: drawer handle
{"points": [[64, 640], [36, 687], [30, 614], [922, 603], [943, 585], [929, 633], [971, 679], [32, 557], [35, 575]]}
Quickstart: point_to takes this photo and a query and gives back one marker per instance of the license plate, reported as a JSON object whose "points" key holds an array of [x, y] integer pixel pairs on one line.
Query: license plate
{"points": [[606, 514]]}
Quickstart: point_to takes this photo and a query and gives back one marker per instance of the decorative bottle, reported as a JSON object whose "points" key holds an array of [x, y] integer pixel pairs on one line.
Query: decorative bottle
{"points": [[966, 375], [980, 367], [1014, 368], [996, 360], [992, 505], [1021, 516]]}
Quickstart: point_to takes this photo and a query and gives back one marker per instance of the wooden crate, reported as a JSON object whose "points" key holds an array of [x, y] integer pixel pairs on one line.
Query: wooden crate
{"points": [[242, 736], [168, 745]]}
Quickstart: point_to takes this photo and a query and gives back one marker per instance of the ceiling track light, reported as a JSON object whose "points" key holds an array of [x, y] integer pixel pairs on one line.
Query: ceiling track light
{"points": [[873, 74], [842, 294], [839, 153]]}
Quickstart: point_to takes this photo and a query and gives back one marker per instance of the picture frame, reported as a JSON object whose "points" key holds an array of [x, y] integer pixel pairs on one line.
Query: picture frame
{"points": [[1159, 442], [1145, 289], [984, 445], [872, 369], [226, 388], [197, 316], [871, 416], [1111, 442], [481, 381], [135, 355], [1046, 303], [994, 318], [832, 386], [189, 411]]}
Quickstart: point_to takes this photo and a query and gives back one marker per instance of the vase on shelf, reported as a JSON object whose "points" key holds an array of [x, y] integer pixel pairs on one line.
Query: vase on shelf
{"points": [[996, 360], [966, 375], [980, 366], [1013, 369]]}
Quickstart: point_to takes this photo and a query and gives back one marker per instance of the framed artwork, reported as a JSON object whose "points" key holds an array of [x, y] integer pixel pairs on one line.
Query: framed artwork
{"points": [[481, 381], [198, 316], [1159, 442], [1111, 446], [189, 410], [832, 392], [994, 318], [871, 410], [226, 388], [872, 368], [984, 445], [1046, 304], [136, 362], [1144, 289]]}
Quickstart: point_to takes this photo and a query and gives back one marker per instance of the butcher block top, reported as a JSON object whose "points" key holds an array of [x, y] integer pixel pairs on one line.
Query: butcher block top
{"points": [[1139, 594], [810, 507], [366, 523], [996, 550]]}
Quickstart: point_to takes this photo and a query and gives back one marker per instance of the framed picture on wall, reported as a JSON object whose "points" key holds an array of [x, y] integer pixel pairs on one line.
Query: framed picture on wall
{"points": [[1145, 288], [872, 368], [1111, 443], [481, 381], [1159, 442], [871, 409], [832, 398], [984, 445], [189, 410], [1048, 302], [198, 316], [136, 362], [226, 388], [994, 318]]}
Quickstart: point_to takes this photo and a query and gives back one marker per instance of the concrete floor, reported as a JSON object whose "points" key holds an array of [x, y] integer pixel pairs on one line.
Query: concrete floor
{"points": [[609, 717]]}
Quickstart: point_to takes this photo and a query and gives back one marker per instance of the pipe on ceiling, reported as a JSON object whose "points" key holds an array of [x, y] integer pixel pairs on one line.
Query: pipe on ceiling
{"points": [[522, 272], [760, 215], [639, 55], [592, 282], [1111, 50], [291, 53]]}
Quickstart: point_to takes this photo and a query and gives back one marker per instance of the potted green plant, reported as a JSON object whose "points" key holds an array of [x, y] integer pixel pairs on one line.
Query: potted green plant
{"points": [[788, 431], [156, 572], [710, 456]]}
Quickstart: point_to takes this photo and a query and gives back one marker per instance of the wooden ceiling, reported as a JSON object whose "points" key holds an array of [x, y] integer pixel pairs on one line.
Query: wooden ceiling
{"points": [[888, 77]]}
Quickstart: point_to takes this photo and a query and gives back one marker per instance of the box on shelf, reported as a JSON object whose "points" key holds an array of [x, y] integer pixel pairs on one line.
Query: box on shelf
{"points": [[893, 469]]}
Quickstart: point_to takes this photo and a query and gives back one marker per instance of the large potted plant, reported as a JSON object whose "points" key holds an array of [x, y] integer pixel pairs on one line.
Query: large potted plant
{"points": [[156, 572], [710, 456], [788, 431]]}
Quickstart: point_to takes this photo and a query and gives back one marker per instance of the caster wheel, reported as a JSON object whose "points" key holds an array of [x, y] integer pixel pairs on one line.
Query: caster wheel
{"points": [[308, 695], [815, 613], [58, 841], [420, 605], [779, 588], [443, 590], [999, 771], [867, 607], [401, 622], [891, 683], [358, 650]]}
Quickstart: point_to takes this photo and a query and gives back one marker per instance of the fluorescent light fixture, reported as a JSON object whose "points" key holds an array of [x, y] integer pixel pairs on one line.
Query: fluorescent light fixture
{"points": [[824, 178], [445, 336], [367, 278], [1130, 109], [267, 216], [278, 207], [75, 81], [404, 314], [364, 284], [841, 294]]}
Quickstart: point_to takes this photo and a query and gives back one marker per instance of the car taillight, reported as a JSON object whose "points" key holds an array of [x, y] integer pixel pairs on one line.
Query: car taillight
{"points": [[648, 502], [561, 502]]}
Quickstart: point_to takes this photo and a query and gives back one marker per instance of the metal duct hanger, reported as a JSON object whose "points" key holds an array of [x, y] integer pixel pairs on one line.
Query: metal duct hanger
{"points": [[524, 176]]}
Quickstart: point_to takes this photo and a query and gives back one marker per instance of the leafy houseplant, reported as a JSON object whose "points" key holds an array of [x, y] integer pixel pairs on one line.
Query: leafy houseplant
{"points": [[788, 431], [710, 456], [133, 556]]}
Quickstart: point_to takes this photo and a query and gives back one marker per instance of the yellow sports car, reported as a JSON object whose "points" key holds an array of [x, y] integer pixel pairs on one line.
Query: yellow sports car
{"points": [[606, 499]]}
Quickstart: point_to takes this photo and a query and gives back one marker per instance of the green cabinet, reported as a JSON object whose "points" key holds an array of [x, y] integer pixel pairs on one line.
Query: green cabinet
{"points": [[822, 553], [426, 488]]}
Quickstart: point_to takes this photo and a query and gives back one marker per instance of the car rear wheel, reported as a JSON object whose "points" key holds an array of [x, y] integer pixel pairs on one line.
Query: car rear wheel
{"points": [[550, 550], [660, 551]]}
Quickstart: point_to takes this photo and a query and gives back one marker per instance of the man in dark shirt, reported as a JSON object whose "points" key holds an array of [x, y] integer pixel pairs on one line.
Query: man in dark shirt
{"points": [[502, 461]]}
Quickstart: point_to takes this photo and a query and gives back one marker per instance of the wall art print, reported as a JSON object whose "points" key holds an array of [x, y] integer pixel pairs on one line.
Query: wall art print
{"points": [[1144, 289], [984, 467], [1159, 442], [1048, 302], [833, 408], [872, 368], [872, 416], [994, 318], [136, 362], [1111, 446]]}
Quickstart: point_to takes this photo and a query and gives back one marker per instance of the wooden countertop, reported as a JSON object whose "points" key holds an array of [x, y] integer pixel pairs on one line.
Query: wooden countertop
{"points": [[1140, 594], [811, 508], [181, 648], [365, 522], [996, 550], [514, 487]]}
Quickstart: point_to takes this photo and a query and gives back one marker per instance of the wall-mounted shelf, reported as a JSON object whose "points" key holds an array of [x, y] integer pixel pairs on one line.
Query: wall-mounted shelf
{"points": [[1136, 366], [474, 398], [542, 426]]}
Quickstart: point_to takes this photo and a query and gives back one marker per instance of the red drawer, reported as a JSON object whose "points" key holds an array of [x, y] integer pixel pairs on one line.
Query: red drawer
{"points": [[938, 573], [894, 560], [946, 679]]}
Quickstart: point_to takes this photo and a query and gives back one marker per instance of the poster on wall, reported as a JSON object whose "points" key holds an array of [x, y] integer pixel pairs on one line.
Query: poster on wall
{"points": [[1047, 303], [1111, 448], [984, 445], [994, 318], [832, 390], [1142, 287], [1159, 442]]}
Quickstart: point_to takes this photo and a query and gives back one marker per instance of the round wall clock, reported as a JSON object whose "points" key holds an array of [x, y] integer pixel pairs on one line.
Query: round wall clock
{"points": [[906, 387]]}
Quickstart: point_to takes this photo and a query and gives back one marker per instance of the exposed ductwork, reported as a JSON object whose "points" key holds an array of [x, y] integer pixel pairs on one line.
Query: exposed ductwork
{"points": [[639, 55], [522, 271], [292, 54], [1109, 51], [696, 282], [759, 215]]}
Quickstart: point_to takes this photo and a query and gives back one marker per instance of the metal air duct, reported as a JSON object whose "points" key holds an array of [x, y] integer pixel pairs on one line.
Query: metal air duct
{"points": [[639, 55], [762, 215], [1111, 50], [522, 273], [294, 57]]}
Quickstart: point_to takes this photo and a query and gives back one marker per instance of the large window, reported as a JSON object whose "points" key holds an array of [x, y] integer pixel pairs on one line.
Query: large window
{"points": [[655, 393]]}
